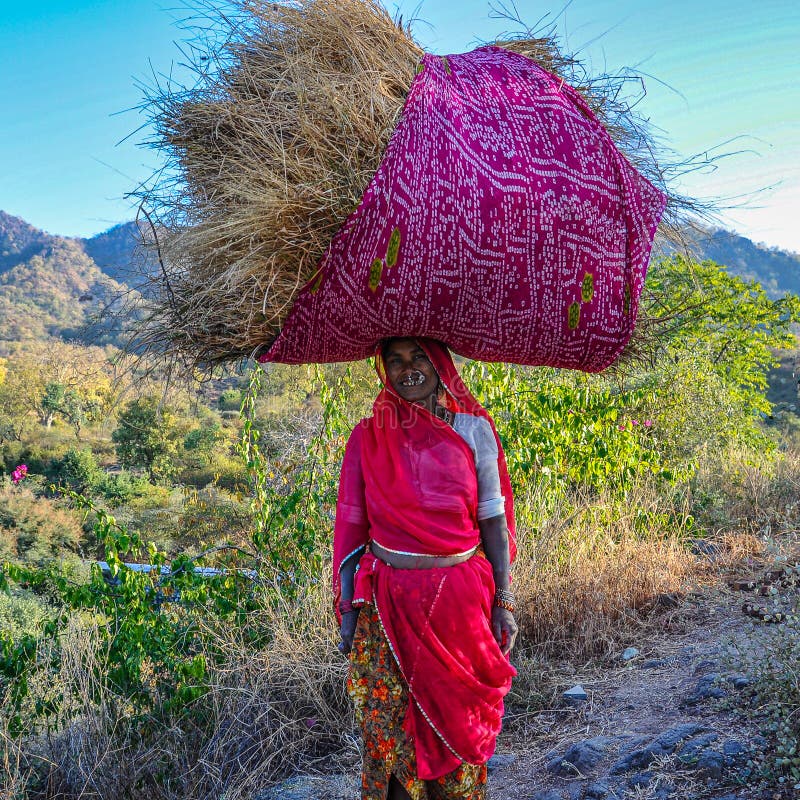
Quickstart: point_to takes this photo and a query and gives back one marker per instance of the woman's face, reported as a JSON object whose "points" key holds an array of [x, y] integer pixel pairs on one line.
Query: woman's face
{"points": [[410, 372]]}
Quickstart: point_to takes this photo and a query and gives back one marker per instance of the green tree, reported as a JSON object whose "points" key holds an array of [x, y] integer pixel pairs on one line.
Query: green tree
{"points": [[201, 441], [78, 470], [146, 437], [51, 402]]}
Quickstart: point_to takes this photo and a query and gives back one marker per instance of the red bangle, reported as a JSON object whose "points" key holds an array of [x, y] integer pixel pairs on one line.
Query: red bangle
{"points": [[346, 606]]}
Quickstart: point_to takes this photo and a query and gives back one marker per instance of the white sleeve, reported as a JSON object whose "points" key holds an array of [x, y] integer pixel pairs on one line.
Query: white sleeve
{"points": [[491, 502]]}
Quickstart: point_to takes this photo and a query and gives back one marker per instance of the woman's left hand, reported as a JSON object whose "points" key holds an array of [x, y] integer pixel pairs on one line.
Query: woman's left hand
{"points": [[504, 628]]}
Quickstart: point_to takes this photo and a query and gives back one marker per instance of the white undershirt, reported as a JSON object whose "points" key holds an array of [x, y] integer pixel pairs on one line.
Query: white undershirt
{"points": [[478, 434]]}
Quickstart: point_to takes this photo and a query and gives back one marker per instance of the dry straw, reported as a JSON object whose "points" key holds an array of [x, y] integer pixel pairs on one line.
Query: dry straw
{"points": [[271, 150]]}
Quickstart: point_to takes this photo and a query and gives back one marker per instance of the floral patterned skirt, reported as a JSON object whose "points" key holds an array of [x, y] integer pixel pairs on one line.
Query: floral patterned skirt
{"points": [[380, 697]]}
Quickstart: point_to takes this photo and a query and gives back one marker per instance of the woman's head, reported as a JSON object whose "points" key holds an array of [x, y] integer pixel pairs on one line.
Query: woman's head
{"points": [[410, 372]]}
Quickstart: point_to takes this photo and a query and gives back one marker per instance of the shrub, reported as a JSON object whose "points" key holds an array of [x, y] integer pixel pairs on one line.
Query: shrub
{"points": [[37, 530], [146, 436], [230, 400], [77, 470], [123, 487]]}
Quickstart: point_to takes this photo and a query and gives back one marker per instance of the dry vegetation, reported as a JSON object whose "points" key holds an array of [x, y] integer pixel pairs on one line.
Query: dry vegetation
{"points": [[271, 150], [589, 577]]}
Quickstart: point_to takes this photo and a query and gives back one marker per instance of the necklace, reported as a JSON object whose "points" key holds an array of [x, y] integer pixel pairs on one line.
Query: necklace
{"points": [[445, 414]]}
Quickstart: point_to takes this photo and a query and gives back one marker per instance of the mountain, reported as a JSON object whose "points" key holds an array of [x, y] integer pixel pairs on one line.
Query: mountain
{"points": [[50, 286], [119, 254], [778, 271], [18, 240], [74, 288]]}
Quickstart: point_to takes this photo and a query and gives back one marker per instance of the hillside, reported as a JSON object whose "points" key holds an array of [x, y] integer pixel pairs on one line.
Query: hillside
{"points": [[18, 241], [67, 287], [116, 251], [49, 286], [778, 271]]}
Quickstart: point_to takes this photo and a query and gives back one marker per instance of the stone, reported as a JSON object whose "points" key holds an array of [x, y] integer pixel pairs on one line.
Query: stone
{"points": [[691, 749], [734, 751], [500, 761], [711, 764], [707, 688], [665, 743], [655, 662], [702, 547], [548, 794], [640, 779], [739, 681], [597, 790], [669, 739], [667, 600], [575, 790], [576, 693], [629, 653], [306, 787], [580, 757], [704, 666]]}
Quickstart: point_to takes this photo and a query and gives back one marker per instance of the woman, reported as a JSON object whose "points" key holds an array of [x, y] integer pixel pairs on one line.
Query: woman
{"points": [[423, 543]]}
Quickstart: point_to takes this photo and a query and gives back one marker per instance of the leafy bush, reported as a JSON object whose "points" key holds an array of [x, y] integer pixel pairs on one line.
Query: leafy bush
{"points": [[771, 658], [123, 488], [230, 400], [146, 436], [36, 530], [22, 614], [77, 470]]}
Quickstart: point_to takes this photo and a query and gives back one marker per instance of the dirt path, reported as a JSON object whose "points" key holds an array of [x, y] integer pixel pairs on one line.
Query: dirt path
{"points": [[668, 724]]}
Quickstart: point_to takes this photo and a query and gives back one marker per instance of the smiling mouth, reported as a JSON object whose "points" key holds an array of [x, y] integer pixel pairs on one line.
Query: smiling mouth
{"points": [[414, 379]]}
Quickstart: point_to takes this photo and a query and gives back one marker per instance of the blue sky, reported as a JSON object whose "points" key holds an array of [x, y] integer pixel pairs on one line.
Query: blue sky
{"points": [[720, 76]]}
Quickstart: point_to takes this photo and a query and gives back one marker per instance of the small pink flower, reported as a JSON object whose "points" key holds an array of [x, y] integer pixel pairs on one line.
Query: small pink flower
{"points": [[622, 427], [634, 422], [19, 474], [647, 423]]}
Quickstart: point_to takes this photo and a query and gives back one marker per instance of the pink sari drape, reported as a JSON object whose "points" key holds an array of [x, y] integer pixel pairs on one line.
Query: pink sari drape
{"points": [[409, 483]]}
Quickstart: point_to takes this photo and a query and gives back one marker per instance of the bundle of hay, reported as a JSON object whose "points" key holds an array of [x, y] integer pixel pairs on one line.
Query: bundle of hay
{"points": [[272, 149]]}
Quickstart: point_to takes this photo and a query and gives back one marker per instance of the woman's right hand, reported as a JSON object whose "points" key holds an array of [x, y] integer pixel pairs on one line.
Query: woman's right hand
{"points": [[348, 630]]}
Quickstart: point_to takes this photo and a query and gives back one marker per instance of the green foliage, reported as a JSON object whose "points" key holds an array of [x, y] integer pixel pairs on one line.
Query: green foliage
{"points": [[772, 660], [78, 470], [202, 441], [123, 488], [563, 431], [146, 436], [230, 400], [22, 614], [158, 625], [708, 379], [152, 647]]}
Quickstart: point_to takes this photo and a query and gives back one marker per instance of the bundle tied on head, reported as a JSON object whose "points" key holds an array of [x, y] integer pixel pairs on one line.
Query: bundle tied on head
{"points": [[331, 185]]}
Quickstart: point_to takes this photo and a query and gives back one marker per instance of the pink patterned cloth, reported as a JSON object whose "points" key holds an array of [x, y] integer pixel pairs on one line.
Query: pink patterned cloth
{"points": [[502, 220]]}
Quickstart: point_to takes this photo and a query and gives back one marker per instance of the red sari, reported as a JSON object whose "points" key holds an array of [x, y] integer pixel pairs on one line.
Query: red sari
{"points": [[409, 483]]}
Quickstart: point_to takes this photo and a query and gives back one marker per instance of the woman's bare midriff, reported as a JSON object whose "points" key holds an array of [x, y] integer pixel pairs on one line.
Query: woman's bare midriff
{"points": [[418, 560]]}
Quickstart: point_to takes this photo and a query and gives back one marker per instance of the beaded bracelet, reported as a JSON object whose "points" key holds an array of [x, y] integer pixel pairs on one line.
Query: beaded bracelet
{"points": [[346, 606], [504, 598]]}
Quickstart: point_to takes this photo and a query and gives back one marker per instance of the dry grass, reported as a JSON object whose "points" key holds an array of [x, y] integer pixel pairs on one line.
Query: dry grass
{"points": [[267, 714], [752, 492], [271, 150], [588, 571]]}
